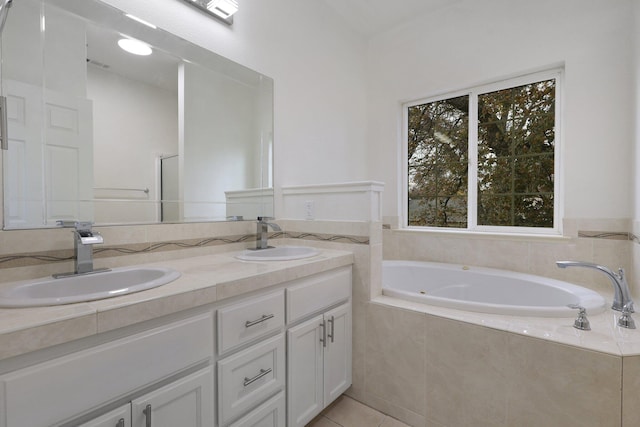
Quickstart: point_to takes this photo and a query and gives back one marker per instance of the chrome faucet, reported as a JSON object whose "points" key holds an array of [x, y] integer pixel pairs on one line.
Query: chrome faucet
{"points": [[84, 239], [622, 295], [263, 231]]}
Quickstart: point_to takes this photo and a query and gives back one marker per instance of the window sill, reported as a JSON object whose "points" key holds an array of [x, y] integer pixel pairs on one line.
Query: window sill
{"points": [[466, 234]]}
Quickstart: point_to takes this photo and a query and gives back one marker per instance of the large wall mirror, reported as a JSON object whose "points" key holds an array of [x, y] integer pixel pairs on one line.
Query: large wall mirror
{"points": [[100, 134]]}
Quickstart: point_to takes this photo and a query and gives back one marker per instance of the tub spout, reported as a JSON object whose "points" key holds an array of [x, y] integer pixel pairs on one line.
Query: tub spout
{"points": [[622, 296]]}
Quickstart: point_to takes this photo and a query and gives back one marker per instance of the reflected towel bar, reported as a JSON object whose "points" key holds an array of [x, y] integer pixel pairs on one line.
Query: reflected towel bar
{"points": [[144, 190]]}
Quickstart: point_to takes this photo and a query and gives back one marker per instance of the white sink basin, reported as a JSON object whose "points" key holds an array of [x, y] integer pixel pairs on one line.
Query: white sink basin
{"points": [[88, 287], [280, 253]]}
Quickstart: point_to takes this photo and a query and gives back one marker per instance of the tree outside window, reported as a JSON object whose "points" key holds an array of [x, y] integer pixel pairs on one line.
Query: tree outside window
{"points": [[509, 134]]}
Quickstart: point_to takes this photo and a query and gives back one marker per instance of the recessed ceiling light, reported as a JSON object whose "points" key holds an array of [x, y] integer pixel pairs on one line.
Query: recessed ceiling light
{"points": [[135, 47]]}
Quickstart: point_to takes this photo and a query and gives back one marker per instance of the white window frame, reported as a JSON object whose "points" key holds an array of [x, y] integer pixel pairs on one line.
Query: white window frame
{"points": [[472, 203]]}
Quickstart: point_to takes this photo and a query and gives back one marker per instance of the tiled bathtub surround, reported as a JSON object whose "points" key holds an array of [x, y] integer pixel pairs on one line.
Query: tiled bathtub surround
{"points": [[435, 367], [611, 245], [457, 374]]}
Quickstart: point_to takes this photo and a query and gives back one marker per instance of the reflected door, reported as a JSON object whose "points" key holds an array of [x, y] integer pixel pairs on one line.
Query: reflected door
{"points": [[50, 158]]}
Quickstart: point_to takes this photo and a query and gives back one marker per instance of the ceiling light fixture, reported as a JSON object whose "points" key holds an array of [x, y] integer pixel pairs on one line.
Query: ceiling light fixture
{"points": [[222, 10], [135, 47]]}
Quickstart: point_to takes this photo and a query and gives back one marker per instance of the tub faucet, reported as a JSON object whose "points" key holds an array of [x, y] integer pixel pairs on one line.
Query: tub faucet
{"points": [[84, 239], [622, 297], [263, 231]]}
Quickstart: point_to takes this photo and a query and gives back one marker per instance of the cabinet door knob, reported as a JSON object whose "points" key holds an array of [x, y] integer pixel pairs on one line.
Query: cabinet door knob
{"points": [[120, 423], [264, 318], [147, 414]]}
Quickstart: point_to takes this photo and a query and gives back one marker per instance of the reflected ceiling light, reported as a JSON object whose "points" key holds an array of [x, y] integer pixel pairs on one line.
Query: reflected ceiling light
{"points": [[142, 21], [222, 10], [135, 47]]}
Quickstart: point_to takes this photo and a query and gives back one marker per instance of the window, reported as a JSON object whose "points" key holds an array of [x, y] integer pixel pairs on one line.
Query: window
{"points": [[485, 159]]}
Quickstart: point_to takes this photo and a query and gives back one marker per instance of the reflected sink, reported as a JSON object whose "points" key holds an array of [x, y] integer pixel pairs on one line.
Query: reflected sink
{"points": [[279, 253], [88, 287]]}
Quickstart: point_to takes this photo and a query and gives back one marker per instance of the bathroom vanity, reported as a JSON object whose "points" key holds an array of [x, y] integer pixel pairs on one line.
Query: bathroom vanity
{"points": [[230, 343]]}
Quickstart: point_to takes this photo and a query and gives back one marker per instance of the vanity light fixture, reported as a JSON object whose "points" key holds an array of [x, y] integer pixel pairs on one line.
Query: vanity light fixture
{"points": [[135, 47], [222, 10]]}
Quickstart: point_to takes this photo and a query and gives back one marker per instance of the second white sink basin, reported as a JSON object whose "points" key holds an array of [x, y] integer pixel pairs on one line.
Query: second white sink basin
{"points": [[87, 287], [279, 253]]}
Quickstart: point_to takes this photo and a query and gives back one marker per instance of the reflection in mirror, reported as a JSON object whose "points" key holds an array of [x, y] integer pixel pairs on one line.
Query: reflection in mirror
{"points": [[100, 134]]}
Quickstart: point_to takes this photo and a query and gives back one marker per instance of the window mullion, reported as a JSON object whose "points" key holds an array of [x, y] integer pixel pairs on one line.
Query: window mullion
{"points": [[472, 191]]}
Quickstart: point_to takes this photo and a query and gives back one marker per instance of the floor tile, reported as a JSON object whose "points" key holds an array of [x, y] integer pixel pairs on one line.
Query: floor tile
{"points": [[322, 422], [392, 422], [350, 413], [347, 412]]}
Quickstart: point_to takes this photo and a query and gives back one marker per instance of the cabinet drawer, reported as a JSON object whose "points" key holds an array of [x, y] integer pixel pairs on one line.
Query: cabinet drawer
{"points": [[249, 377], [270, 414], [315, 293], [247, 320], [56, 390]]}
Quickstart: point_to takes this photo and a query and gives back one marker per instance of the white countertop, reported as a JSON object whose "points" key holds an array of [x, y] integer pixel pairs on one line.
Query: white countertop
{"points": [[204, 280]]}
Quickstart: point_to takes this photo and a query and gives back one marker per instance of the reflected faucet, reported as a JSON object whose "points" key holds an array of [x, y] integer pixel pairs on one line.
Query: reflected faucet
{"points": [[263, 231], [84, 239], [622, 297]]}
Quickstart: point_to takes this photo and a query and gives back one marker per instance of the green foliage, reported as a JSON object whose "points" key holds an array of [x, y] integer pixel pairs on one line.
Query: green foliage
{"points": [[438, 159], [515, 158]]}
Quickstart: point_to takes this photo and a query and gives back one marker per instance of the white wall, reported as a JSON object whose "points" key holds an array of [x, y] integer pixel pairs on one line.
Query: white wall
{"points": [[318, 69], [474, 42], [219, 141], [134, 123]]}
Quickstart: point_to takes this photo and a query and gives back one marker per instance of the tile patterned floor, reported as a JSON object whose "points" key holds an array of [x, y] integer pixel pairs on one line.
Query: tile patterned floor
{"points": [[346, 412]]}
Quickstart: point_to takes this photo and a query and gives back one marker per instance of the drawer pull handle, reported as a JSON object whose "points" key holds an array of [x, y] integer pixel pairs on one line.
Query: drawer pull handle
{"points": [[331, 321], [263, 372], [147, 414], [120, 423], [264, 318]]}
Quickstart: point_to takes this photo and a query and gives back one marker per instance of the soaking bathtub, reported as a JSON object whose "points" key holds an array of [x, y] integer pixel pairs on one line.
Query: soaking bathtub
{"points": [[485, 290]]}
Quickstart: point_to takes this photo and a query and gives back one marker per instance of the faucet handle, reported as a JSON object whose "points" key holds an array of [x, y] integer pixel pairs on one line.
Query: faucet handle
{"points": [[625, 320], [581, 321], [264, 218]]}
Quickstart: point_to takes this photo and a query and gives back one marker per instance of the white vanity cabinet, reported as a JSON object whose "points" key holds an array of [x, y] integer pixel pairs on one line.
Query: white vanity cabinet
{"points": [[251, 339], [308, 323], [187, 402], [120, 417], [68, 387], [283, 355], [319, 349]]}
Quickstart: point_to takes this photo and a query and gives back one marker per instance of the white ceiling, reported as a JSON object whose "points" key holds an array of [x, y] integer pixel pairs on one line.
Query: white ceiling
{"points": [[371, 17]]}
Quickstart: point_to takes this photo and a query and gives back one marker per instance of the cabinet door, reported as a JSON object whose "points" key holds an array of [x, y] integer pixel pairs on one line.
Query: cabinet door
{"points": [[337, 353], [120, 417], [305, 379], [187, 402]]}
